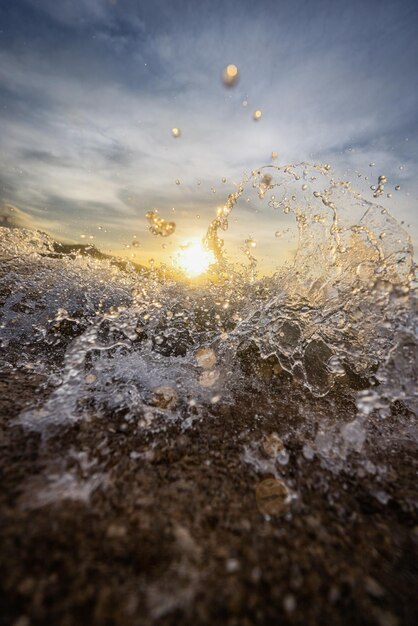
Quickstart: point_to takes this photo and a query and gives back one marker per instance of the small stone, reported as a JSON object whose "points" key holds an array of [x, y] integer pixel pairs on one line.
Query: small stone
{"points": [[384, 618], [22, 621], [26, 586], [206, 358], [208, 378], [272, 497], [272, 445], [283, 457], [308, 453], [334, 594], [373, 588], [232, 566], [289, 603], [186, 542], [382, 497], [256, 574], [165, 398], [116, 531]]}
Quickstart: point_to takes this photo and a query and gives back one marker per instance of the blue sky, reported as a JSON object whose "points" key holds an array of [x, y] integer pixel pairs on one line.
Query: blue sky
{"points": [[90, 89]]}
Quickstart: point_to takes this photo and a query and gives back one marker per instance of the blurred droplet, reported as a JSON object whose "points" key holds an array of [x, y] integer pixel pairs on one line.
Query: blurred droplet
{"points": [[158, 225], [176, 132], [230, 75]]}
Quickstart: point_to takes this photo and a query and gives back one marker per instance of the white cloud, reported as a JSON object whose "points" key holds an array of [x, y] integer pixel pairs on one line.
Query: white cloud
{"points": [[101, 147]]}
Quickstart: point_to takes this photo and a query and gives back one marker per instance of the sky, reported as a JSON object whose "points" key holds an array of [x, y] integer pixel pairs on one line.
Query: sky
{"points": [[90, 90]]}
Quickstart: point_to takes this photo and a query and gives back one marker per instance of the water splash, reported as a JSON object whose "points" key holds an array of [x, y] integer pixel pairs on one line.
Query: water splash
{"points": [[113, 339], [159, 225]]}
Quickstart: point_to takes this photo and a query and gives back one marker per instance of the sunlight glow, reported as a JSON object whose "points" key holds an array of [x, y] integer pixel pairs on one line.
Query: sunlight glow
{"points": [[193, 259]]}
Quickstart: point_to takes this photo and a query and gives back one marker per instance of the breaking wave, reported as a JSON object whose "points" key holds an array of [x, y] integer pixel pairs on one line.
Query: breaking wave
{"points": [[111, 338]]}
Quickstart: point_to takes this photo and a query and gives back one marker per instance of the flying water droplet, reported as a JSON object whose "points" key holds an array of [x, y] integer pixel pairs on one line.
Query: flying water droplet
{"points": [[230, 75]]}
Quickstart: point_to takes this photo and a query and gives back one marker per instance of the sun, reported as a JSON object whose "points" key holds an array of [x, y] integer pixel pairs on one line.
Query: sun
{"points": [[193, 258]]}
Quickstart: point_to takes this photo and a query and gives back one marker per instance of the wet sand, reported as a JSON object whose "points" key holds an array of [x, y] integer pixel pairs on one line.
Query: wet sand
{"points": [[164, 526]]}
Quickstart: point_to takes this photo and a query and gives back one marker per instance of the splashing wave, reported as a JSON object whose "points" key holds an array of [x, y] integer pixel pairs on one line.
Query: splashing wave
{"points": [[110, 337]]}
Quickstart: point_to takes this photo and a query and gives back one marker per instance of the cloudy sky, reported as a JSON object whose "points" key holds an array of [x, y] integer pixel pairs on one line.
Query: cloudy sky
{"points": [[90, 90]]}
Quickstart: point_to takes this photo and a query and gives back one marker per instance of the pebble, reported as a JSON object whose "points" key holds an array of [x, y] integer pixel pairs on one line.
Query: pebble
{"points": [[373, 588], [165, 398], [22, 621], [206, 358], [308, 453], [289, 603], [27, 586], [272, 445], [232, 566], [208, 378], [116, 531], [272, 497]]}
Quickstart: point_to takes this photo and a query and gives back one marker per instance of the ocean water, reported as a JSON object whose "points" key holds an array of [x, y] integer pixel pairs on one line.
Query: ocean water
{"points": [[111, 338]]}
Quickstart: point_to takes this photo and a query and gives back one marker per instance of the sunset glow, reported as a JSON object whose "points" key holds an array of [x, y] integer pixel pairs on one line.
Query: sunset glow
{"points": [[193, 259]]}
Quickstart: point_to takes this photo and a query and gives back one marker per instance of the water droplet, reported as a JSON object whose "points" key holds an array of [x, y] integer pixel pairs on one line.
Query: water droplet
{"points": [[158, 225], [308, 453], [230, 75]]}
